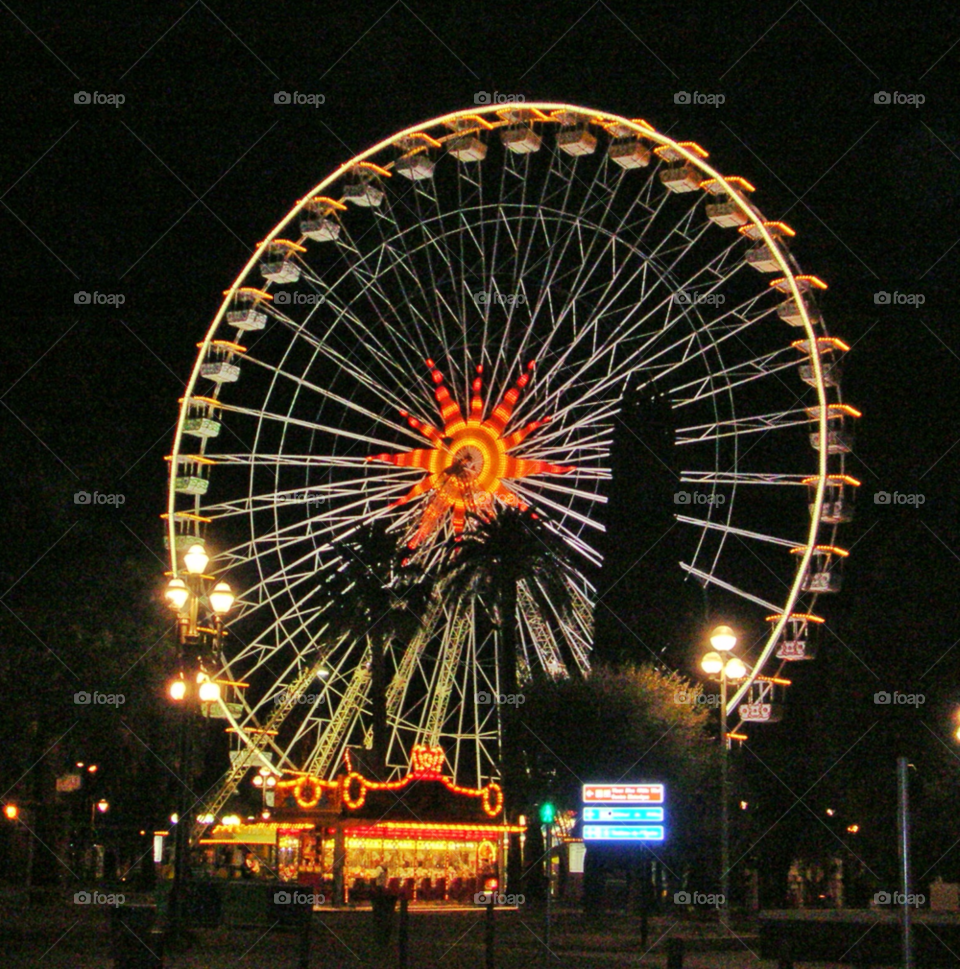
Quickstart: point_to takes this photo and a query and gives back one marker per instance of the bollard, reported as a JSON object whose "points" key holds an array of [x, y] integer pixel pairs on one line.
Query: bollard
{"points": [[304, 961], [674, 953], [403, 934], [489, 937]]}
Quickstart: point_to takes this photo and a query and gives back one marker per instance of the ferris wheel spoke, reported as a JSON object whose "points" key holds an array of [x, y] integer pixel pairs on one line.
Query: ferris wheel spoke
{"points": [[737, 375], [742, 478], [740, 532], [708, 578], [754, 424]]}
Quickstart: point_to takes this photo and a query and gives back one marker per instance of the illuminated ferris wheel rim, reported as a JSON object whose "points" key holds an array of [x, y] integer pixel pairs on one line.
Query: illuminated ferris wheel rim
{"points": [[496, 116]]}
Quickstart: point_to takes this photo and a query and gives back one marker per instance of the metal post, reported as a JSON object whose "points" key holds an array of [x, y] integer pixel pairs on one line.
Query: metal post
{"points": [[489, 937], [903, 845], [403, 937], [181, 841], [724, 796], [546, 924], [305, 926]]}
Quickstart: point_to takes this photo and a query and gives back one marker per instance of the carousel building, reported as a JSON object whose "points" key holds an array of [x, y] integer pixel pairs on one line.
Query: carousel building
{"points": [[422, 836]]}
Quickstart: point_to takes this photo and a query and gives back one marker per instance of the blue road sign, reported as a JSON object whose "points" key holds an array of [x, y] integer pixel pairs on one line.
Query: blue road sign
{"points": [[623, 814], [623, 832]]}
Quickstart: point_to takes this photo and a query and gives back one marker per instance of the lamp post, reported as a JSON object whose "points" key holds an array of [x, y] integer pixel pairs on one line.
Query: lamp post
{"points": [[192, 687], [723, 639]]}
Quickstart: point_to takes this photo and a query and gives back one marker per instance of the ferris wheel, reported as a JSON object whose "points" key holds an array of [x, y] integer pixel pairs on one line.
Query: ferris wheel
{"points": [[446, 327]]}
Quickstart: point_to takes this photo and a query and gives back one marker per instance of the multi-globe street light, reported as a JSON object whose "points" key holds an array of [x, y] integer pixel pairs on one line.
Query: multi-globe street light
{"points": [[192, 688], [718, 663]]}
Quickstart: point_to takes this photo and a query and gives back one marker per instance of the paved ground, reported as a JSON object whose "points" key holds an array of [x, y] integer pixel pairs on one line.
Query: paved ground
{"points": [[59, 935]]}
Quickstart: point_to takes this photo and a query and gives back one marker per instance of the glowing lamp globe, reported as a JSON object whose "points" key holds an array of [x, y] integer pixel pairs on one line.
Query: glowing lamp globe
{"points": [[735, 670], [221, 598], [196, 560], [10, 812], [178, 690], [209, 692], [712, 663], [177, 594], [723, 638]]}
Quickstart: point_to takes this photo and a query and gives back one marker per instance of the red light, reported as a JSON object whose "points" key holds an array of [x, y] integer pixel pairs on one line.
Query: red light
{"points": [[490, 884]]}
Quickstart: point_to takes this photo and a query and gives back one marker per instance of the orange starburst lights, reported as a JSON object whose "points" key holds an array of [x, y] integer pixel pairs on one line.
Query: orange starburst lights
{"points": [[468, 462]]}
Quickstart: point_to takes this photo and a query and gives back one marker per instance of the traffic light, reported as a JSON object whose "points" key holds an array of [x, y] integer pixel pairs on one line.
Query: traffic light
{"points": [[548, 813]]}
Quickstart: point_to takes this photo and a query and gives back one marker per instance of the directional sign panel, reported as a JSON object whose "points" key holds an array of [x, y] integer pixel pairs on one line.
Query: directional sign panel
{"points": [[623, 832], [623, 814], [623, 794]]}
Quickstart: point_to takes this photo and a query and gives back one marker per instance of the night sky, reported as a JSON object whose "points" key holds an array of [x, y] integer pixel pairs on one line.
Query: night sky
{"points": [[161, 199]]}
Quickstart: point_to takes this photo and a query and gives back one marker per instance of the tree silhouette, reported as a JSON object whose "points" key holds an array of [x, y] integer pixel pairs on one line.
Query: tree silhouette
{"points": [[496, 556], [375, 596]]}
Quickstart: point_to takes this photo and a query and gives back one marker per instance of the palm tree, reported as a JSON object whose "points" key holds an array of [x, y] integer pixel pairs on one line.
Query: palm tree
{"points": [[377, 597], [496, 557]]}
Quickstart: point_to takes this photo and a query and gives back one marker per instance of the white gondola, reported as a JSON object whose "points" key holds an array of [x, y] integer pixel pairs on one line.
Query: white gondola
{"points": [[831, 370], [727, 214], [204, 427], [220, 371], [789, 312], [796, 642], [363, 194], [762, 259], [576, 140], [629, 153], [467, 148], [320, 229], [839, 440], [680, 178], [520, 139], [415, 167], [277, 268], [191, 484], [248, 318], [838, 498]]}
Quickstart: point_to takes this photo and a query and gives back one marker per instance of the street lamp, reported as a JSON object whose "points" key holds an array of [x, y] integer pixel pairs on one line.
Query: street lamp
{"points": [[192, 688], [723, 639]]}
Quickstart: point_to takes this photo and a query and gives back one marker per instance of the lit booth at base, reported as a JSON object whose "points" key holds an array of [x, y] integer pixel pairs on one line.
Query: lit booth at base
{"points": [[422, 837]]}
